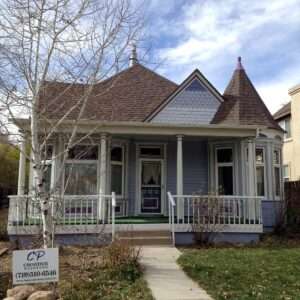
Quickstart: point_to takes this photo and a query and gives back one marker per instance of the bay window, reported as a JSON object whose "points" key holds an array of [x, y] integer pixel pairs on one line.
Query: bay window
{"points": [[260, 172], [225, 171], [81, 170]]}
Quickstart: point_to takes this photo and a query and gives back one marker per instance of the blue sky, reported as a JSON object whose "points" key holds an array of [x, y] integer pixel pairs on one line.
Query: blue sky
{"points": [[210, 34]]}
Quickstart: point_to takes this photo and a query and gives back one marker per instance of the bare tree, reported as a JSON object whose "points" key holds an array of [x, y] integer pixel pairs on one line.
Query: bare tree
{"points": [[79, 42]]}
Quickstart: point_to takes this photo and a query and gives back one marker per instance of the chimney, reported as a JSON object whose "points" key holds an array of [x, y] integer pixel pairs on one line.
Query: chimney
{"points": [[133, 56]]}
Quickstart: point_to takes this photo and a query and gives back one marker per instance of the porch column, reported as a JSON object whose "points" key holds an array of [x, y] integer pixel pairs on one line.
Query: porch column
{"points": [[179, 178], [102, 185], [251, 177], [22, 169]]}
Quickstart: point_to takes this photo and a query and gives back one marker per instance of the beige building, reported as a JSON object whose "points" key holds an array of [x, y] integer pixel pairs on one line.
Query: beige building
{"points": [[288, 118]]}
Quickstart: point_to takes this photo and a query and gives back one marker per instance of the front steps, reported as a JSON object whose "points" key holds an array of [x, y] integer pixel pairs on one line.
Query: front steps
{"points": [[146, 238]]}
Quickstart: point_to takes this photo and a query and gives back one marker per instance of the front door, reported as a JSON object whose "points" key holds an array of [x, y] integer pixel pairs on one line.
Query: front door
{"points": [[151, 186]]}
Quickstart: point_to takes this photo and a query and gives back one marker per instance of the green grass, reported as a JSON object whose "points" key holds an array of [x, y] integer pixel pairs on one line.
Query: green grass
{"points": [[246, 273]]}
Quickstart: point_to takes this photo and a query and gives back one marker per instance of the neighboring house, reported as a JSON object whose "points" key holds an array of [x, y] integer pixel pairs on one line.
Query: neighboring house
{"points": [[288, 118], [173, 154]]}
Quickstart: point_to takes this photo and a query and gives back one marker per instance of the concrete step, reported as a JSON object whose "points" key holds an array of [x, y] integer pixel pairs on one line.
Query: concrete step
{"points": [[147, 241], [144, 233]]}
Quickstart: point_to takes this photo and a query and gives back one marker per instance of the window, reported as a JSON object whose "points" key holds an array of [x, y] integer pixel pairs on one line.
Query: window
{"points": [[286, 125], [276, 164], [260, 172], [286, 172], [225, 171], [47, 155], [151, 151], [81, 170], [117, 170]]}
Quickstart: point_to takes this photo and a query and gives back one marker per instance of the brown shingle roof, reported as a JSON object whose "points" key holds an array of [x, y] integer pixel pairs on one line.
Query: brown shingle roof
{"points": [[128, 96], [243, 105], [283, 111]]}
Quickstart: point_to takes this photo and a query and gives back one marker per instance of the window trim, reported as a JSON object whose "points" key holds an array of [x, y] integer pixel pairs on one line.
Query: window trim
{"points": [[227, 164], [282, 124], [286, 178], [263, 164], [118, 163], [82, 161], [278, 166]]}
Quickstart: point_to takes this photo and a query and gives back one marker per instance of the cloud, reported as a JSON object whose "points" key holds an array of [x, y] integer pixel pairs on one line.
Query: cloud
{"points": [[210, 34]]}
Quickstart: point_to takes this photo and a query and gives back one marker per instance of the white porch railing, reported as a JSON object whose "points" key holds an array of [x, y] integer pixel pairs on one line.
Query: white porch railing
{"points": [[67, 210], [195, 210]]}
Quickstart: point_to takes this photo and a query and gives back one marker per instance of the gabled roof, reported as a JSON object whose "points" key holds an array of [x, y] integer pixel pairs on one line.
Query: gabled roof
{"points": [[196, 74], [130, 95], [284, 111], [243, 105]]}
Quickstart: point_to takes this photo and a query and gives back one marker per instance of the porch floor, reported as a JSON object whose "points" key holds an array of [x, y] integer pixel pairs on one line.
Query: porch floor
{"points": [[142, 220]]}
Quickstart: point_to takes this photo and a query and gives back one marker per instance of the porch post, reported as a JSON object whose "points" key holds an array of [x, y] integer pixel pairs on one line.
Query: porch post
{"points": [[251, 177], [102, 185], [179, 181], [22, 169]]}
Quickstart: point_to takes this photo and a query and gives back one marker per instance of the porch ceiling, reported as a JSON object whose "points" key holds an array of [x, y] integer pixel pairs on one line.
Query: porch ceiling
{"points": [[151, 129]]}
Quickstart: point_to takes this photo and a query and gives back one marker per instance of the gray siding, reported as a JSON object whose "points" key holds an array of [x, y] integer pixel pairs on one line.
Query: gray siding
{"points": [[195, 169], [189, 107], [270, 213]]}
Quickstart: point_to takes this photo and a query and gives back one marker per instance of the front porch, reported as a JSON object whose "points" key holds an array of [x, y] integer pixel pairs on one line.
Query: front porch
{"points": [[203, 179]]}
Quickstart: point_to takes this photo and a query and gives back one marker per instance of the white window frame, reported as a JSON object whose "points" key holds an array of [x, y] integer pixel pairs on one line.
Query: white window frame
{"points": [[263, 164], [118, 163], [228, 164], [286, 178], [278, 166], [282, 124], [82, 161]]}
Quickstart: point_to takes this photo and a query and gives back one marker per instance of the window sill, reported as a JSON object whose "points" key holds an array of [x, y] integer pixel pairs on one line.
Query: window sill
{"points": [[288, 140]]}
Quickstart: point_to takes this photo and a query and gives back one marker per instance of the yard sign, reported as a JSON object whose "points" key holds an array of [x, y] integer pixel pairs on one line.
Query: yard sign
{"points": [[35, 266]]}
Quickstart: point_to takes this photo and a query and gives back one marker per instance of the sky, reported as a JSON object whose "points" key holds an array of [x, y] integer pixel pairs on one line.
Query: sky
{"points": [[211, 34]]}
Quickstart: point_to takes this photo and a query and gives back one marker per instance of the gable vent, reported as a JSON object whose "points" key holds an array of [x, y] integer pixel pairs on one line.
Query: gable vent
{"points": [[195, 86]]}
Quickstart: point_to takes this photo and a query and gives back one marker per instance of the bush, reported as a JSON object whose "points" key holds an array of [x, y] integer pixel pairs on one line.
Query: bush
{"points": [[118, 277]]}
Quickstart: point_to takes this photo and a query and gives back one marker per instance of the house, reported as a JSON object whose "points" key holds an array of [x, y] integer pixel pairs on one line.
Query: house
{"points": [[287, 118], [164, 159]]}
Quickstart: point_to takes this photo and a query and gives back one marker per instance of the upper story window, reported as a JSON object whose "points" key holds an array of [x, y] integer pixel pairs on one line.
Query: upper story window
{"points": [[225, 171], [286, 125], [260, 171]]}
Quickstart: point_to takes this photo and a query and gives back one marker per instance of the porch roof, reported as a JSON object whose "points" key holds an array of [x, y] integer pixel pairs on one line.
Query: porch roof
{"points": [[145, 128]]}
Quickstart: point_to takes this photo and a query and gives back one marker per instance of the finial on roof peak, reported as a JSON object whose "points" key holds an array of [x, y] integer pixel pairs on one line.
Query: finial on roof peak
{"points": [[239, 64], [133, 55]]}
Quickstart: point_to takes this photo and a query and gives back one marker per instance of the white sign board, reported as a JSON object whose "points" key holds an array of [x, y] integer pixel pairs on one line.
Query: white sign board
{"points": [[35, 266]]}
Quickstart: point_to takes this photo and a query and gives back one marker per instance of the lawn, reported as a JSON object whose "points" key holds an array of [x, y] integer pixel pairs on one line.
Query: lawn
{"points": [[271, 273], [86, 275]]}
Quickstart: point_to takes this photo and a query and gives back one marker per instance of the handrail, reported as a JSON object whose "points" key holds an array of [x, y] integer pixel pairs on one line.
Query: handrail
{"points": [[172, 205], [113, 215]]}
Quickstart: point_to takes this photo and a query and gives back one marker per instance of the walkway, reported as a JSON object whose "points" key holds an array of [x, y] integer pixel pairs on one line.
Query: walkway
{"points": [[165, 278]]}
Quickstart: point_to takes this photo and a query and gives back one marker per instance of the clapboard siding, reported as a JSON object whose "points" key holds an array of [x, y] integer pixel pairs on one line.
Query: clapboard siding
{"points": [[195, 169]]}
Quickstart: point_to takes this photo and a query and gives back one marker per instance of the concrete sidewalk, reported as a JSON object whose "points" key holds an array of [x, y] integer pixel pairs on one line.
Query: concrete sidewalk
{"points": [[165, 278]]}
